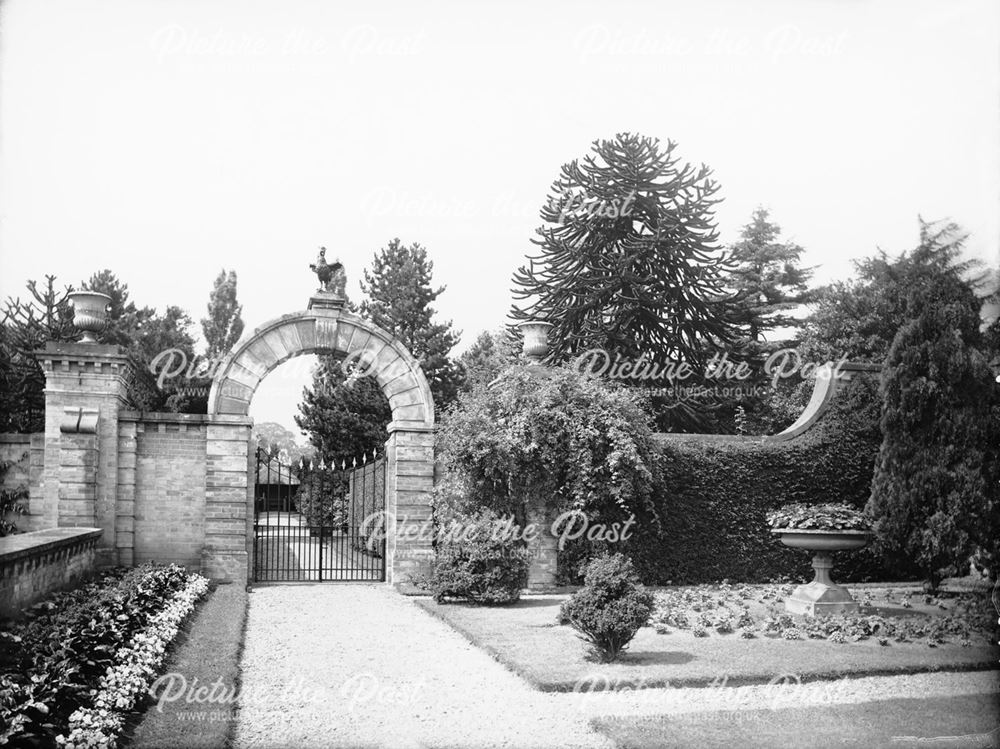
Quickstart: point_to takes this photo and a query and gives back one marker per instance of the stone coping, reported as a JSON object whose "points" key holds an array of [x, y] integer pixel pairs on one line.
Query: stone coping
{"points": [[36, 543], [177, 418], [16, 438]]}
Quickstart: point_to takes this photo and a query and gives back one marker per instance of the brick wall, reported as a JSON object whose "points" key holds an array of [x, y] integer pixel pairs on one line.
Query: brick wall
{"points": [[26, 453], [33, 565], [162, 489]]}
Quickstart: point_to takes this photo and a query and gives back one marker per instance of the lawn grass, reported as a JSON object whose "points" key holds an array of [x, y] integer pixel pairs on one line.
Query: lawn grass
{"points": [[526, 638], [896, 723], [207, 650]]}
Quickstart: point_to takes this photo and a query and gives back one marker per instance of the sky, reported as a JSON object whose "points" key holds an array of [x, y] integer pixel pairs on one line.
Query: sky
{"points": [[169, 140]]}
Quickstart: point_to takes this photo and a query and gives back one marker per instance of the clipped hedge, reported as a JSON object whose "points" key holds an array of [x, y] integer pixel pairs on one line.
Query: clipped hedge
{"points": [[715, 495]]}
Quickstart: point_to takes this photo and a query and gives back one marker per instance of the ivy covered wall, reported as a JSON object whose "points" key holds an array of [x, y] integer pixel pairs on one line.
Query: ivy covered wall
{"points": [[714, 495]]}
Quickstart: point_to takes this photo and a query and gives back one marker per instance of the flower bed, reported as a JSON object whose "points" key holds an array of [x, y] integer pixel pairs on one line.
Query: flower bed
{"points": [[754, 611], [73, 669], [829, 516]]}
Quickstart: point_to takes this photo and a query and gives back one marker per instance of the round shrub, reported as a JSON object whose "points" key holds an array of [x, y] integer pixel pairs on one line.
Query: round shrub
{"points": [[611, 606], [485, 566]]}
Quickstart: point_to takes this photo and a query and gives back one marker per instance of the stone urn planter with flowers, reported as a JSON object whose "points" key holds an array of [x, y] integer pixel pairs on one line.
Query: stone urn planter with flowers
{"points": [[821, 529]]}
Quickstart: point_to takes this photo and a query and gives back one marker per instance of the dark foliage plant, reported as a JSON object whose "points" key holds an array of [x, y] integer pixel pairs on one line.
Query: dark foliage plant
{"points": [[484, 565], [936, 492], [322, 498], [51, 661], [610, 608]]}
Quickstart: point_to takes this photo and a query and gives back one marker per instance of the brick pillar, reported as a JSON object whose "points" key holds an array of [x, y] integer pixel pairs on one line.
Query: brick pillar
{"points": [[228, 493], [409, 454], [125, 516], [86, 385], [79, 458], [542, 549]]}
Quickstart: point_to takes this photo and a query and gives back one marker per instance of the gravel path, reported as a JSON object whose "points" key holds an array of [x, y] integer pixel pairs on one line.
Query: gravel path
{"points": [[361, 666]]}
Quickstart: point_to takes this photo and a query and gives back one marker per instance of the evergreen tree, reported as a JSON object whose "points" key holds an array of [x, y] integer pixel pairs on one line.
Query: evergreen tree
{"points": [[224, 325], [26, 327], [628, 258], [489, 355], [767, 281], [125, 321], [935, 491], [399, 299], [859, 318], [344, 416]]}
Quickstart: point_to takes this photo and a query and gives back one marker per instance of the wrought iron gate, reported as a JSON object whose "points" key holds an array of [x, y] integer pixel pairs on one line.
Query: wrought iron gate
{"points": [[318, 523]]}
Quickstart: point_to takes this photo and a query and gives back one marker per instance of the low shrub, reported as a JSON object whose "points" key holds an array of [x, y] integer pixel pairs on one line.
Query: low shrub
{"points": [[485, 565], [610, 608], [72, 653]]}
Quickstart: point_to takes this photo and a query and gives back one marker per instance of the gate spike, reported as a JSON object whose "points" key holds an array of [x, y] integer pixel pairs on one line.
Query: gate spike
{"points": [[322, 464], [374, 453], [343, 465], [354, 462], [364, 458]]}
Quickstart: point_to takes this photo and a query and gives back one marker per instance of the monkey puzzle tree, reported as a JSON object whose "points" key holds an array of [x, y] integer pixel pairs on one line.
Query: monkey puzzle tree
{"points": [[628, 259], [25, 327]]}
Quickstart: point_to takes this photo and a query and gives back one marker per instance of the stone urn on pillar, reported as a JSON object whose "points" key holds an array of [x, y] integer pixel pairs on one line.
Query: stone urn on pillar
{"points": [[536, 340], [90, 312], [821, 530]]}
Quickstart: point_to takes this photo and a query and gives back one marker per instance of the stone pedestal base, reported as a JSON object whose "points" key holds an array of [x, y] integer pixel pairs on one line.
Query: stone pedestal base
{"points": [[816, 599], [326, 300]]}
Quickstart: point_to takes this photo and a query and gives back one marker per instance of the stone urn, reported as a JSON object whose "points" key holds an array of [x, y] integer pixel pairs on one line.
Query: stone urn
{"points": [[822, 595], [90, 312], [536, 340]]}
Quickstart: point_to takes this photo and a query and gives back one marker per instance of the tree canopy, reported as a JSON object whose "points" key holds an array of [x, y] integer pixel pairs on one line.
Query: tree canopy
{"points": [[399, 298], [767, 281], [224, 324], [936, 490], [628, 258]]}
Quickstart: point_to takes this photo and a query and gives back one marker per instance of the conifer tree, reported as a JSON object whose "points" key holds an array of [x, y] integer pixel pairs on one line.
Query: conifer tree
{"points": [[628, 259], [937, 479]]}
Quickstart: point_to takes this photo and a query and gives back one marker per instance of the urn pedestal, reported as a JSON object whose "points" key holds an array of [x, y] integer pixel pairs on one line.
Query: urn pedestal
{"points": [[822, 595]]}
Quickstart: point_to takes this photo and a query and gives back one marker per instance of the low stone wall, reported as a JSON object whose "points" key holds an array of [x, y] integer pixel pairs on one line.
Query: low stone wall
{"points": [[33, 565]]}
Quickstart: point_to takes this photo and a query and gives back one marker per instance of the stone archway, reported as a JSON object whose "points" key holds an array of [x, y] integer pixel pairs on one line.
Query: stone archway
{"points": [[325, 328]]}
